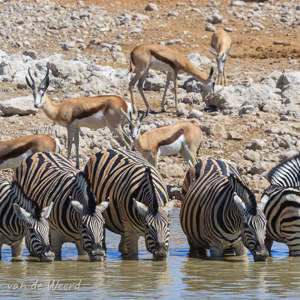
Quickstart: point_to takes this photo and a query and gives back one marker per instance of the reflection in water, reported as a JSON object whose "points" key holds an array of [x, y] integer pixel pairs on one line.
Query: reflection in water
{"points": [[179, 276]]}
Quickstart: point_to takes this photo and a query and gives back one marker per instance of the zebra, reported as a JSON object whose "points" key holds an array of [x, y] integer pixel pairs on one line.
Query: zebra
{"points": [[50, 177], [281, 205], [139, 203], [220, 213], [19, 218]]}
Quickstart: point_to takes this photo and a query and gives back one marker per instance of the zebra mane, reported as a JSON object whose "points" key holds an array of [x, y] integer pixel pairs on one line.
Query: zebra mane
{"points": [[287, 173], [153, 191], [243, 192], [88, 197], [24, 201]]}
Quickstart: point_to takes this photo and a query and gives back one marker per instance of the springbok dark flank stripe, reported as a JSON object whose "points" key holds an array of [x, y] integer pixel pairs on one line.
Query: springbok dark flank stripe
{"points": [[220, 213], [138, 203]]}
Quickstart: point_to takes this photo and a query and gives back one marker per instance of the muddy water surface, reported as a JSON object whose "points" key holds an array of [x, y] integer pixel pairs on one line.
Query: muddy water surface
{"points": [[178, 277]]}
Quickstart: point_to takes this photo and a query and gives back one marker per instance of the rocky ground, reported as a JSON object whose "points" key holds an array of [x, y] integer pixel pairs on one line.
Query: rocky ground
{"points": [[254, 122]]}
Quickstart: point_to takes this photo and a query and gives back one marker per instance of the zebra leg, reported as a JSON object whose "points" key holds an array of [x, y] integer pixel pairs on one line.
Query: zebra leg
{"points": [[56, 243], [240, 249], [122, 246], [131, 240], [216, 252], [196, 251], [80, 249], [17, 249], [268, 243]]}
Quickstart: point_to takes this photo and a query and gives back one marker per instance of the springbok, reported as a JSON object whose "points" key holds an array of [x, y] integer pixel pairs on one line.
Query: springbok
{"points": [[12, 152], [161, 58], [182, 137], [92, 112], [221, 44]]}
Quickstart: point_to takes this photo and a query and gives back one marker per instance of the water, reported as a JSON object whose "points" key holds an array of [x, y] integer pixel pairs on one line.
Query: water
{"points": [[178, 277]]}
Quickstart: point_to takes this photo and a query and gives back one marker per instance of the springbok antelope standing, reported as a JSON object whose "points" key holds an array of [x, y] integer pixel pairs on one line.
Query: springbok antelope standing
{"points": [[161, 58], [92, 112], [221, 44], [182, 137], [12, 152]]}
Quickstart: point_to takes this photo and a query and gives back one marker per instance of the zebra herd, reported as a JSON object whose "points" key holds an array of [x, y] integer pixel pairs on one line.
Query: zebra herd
{"points": [[119, 190]]}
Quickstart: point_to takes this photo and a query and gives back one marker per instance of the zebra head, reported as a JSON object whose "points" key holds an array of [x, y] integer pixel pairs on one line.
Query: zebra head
{"points": [[36, 231], [91, 220], [253, 221], [157, 230]]}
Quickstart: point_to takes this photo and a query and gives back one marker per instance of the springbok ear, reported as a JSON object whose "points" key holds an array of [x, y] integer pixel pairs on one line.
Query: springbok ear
{"points": [[227, 52], [141, 208], [46, 211], [77, 206], [239, 203], [263, 201], [21, 213], [103, 206], [169, 206], [213, 52]]}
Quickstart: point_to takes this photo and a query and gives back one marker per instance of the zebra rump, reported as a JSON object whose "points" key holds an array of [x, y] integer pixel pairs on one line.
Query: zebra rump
{"points": [[281, 205], [220, 213]]}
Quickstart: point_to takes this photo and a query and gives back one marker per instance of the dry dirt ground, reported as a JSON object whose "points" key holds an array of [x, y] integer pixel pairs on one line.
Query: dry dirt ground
{"points": [[254, 54]]}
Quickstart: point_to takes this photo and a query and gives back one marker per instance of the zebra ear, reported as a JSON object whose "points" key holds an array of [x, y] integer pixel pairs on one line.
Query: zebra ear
{"points": [[141, 208], [103, 206], [21, 213], [77, 206], [239, 202], [169, 206], [46, 211], [263, 201]]}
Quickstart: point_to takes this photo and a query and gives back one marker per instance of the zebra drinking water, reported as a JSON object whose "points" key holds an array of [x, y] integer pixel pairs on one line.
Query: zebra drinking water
{"points": [[50, 177], [21, 217], [220, 213], [138, 200], [281, 205]]}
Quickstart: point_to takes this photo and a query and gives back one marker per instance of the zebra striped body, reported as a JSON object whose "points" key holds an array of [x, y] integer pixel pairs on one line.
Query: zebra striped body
{"points": [[19, 218], [219, 212], [50, 177], [138, 200], [281, 205]]}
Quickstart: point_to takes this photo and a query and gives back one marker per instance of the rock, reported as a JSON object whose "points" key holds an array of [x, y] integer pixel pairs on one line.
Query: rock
{"points": [[151, 7], [256, 145], [20, 106], [197, 114], [215, 19], [210, 27], [252, 155], [233, 135]]}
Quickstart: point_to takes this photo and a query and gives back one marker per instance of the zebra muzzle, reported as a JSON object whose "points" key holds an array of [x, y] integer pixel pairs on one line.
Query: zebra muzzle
{"points": [[160, 253], [47, 256], [96, 254], [260, 255]]}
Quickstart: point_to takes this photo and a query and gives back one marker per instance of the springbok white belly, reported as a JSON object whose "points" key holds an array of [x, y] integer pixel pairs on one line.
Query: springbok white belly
{"points": [[156, 64], [15, 161], [94, 121], [173, 148]]}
